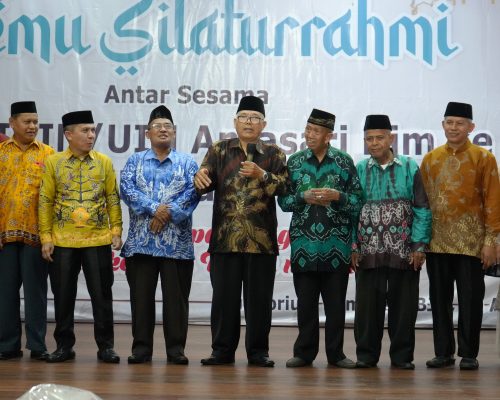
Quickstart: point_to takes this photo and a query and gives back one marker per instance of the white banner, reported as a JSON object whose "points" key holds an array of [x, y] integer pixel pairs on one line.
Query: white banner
{"points": [[121, 59]]}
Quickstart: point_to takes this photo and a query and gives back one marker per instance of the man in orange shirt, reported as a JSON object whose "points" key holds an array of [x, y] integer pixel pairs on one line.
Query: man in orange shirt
{"points": [[21, 161], [461, 181]]}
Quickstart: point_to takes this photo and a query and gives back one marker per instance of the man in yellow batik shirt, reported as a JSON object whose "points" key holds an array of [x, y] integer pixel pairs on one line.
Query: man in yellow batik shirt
{"points": [[21, 162], [461, 180], [80, 216]]}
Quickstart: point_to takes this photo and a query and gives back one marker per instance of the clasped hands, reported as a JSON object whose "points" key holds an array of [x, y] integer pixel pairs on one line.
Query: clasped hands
{"points": [[321, 196], [160, 218]]}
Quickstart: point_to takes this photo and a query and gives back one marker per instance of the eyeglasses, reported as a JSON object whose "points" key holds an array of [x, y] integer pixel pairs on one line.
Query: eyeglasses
{"points": [[245, 118], [165, 125]]}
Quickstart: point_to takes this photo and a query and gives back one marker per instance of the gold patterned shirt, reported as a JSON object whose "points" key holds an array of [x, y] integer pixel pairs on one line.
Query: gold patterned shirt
{"points": [[79, 201], [464, 194], [20, 177], [244, 213]]}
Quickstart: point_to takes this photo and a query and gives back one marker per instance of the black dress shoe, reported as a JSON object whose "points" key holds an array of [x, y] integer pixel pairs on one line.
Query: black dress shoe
{"points": [[470, 364], [365, 364], [261, 362], [180, 359], [213, 360], [346, 363], [297, 362], [403, 365], [108, 356], [9, 355], [139, 358], [440, 362], [61, 355], [39, 355]]}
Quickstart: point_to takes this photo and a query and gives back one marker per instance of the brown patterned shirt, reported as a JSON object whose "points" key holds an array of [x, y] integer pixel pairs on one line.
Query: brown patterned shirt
{"points": [[244, 212]]}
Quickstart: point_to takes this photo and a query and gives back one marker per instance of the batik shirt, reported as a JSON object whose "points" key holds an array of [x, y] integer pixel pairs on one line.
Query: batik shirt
{"points": [[145, 184], [20, 177], [79, 201], [244, 210], [322, 237], [395, 220], [464, 194]]}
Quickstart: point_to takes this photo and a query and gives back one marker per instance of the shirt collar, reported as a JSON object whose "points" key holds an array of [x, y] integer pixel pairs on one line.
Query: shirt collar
{"points": [[461, 149], [372, 162], [330, 152], [68, 154], [150, 154], [34, 142], [235, 142]]}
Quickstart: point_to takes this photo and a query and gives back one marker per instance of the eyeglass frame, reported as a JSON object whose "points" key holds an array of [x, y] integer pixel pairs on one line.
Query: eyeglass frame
{"points": [[159, 125], [250, 118]]}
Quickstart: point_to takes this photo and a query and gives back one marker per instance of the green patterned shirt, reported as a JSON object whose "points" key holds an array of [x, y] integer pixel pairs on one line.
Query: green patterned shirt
{"points": [[321, 237]]}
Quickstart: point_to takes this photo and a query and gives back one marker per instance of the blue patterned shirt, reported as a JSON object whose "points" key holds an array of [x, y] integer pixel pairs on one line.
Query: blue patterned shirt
{"points": [[145, 184]]}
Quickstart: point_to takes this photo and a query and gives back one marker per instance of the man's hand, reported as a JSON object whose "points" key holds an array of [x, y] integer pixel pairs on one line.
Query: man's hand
{"points": [[162, 213], [156, 225], [417, 259], [202, 179], [116, 242], [321, 197], [251, 170], [488, 256], [354, 261], [47, 250]]}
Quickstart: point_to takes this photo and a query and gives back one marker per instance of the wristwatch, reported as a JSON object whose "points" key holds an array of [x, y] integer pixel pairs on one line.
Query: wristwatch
{"points": [[265, 176]]}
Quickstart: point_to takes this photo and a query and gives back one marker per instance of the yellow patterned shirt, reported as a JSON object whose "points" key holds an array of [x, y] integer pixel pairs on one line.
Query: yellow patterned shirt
{"points": [[464, 194], [20, 177], [79, 201]]}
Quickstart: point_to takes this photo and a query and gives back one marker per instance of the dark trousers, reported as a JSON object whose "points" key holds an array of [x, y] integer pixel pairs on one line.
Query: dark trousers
{"points": [[228, 272], [175, 279], [467, 272], [376, 288], [21, 264], [332, 286], [97, 267]]}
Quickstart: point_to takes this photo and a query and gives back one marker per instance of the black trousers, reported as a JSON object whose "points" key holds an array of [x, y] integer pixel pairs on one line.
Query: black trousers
{"points": [[97, 267], [175, 279], [21, 264], [228, 272], [467, 272], [332, 286], [376, 288]]}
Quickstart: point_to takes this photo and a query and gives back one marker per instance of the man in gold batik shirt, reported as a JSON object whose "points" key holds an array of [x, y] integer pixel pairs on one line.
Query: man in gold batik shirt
{"points": [[461, 180], [21, 163], [80, 216]]}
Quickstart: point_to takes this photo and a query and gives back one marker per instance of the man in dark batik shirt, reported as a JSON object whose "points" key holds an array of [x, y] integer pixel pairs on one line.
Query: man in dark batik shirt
{"points": [[325, 197], [246, 175]]}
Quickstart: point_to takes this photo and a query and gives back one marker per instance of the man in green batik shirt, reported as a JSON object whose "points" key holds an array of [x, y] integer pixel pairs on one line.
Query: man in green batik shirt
{"points": [[325, 196]]}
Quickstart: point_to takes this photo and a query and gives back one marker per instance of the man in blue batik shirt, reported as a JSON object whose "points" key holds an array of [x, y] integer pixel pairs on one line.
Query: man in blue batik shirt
{"points": [[157, 186]]}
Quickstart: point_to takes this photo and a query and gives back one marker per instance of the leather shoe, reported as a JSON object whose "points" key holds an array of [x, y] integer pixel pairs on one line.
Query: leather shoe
{"points": [[213, 360], [469, 364], [365, 364], [345, 363], [139, 358], [261, 362], [39, 355], [179, 359], [403, 365], [440, 362], [61, 355], [9, 355], [108, 356], [297, 362]]}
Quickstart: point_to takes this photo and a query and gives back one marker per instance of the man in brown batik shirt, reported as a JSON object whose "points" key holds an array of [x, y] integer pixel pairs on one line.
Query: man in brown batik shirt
{"points": [[246, 174]]}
